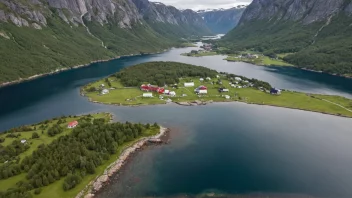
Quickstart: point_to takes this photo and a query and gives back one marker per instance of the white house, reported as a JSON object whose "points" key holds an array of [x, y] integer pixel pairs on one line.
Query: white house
{"points": [[238, 79], [189, 84], [217, 76], [166, 91], [246, 81], [208, 78], [232, 85], [105, 91], [199, 91], [225, 90], [201, 79], [239, 87], [23, 141], [227, 96], [172, 93], [147, 95], [102, 85]]}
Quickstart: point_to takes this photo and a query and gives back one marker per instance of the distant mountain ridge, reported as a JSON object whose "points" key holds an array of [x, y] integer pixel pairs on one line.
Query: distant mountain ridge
{"points": [[41, 36], [222, 20], [315, 34]]}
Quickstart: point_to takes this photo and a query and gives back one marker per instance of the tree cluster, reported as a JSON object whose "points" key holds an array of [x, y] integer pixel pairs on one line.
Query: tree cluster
{"points": [[74, 156], [161, 73]]}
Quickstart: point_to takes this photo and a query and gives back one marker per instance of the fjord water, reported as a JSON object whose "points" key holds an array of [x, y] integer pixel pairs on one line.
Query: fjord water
{"points": [[239, 149], [231, 148], [58, 94]]}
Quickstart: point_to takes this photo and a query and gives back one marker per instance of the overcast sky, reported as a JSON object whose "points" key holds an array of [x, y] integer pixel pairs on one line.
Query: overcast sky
{"points": [[203, 4]]}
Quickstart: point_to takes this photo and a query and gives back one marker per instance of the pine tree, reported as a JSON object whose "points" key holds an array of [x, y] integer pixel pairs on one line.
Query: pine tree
{"points": [[51, 178], [45, 181]]}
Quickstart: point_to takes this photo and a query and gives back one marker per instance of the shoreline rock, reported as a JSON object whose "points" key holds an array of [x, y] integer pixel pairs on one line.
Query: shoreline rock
{"points": [[97, 184]]}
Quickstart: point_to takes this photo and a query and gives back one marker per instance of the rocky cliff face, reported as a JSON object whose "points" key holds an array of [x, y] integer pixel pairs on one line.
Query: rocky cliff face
{"points": [[154, 12], [222, 20], [305, 11]]}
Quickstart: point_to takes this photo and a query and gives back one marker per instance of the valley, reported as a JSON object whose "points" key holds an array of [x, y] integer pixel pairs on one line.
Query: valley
{"points": [[136, 98]]}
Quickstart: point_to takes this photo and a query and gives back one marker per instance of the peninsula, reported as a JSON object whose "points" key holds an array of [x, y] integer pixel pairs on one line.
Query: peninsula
{"points": [[68, 156], [166, 82]]}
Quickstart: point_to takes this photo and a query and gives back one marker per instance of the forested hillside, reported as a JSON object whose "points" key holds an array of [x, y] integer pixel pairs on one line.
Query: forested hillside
{"points": [[316, 35], [44, 36]]}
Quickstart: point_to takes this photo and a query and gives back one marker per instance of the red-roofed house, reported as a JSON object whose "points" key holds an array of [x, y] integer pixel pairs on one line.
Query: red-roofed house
{"points": [[72, 125]]}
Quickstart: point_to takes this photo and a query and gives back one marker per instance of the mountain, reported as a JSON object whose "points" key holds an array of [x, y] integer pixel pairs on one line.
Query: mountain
{"points": [[316, 34], [42, 36], [167, 20], [221, 21]]}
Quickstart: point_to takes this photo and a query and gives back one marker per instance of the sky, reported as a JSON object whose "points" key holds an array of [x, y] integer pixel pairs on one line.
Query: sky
{"points": [[203, 4]]}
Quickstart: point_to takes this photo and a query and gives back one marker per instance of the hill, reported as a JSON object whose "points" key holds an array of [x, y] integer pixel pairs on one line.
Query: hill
{"points": [[221, 21], [313, 34], [45, 36]]}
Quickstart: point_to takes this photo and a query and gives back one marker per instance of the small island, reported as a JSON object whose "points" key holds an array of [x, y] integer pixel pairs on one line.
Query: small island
{"points": [[70, 156], [256, 58], [171, 82]]}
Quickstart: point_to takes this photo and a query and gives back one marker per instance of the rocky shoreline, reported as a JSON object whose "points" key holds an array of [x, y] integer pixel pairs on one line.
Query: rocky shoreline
{"points": [[95, 186]]}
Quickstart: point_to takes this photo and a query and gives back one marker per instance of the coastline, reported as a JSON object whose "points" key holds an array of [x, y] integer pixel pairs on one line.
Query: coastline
{"points": [[21, 80], [100, 181]]}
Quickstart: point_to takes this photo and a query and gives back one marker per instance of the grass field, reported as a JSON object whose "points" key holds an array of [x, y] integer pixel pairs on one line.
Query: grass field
{"points": [[262, 60], [289, 99], [200, 54], [34, 143], [55, 189]]}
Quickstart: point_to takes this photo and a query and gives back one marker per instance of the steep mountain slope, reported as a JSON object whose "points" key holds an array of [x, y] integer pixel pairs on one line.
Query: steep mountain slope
{"points": [[221, 21], [168, 20], [318, 32], [41, 36]]}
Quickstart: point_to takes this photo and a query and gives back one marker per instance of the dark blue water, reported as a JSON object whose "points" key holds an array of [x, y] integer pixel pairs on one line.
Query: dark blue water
{"points": [[239, 149], [230, 148], [58, 94]]}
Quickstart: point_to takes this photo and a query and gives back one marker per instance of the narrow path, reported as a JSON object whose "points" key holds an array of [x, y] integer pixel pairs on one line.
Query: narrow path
{"points": [[337, 105], [102, 43]]}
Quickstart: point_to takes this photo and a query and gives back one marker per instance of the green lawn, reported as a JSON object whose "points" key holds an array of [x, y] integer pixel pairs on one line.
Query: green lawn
{"points": [[200, 54], [287, 99], [262, 60], [55, 189], [34, 143]]}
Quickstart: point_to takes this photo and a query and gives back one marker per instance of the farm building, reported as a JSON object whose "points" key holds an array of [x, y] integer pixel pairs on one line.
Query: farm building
{"points": [[152, 88], [202, 91], [147, 95], [238, 79], [275, 91], [189, 84], [223, 90], [227, 96], [72, 124], [105, 91], [23, 141], [172, 94]]}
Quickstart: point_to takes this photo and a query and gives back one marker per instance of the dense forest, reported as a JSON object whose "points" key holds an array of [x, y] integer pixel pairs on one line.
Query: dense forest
{"points": [[328, 51], [161, 73], [70, 157]]}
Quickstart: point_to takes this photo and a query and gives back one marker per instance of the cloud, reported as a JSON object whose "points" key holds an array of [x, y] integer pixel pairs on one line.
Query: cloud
{"points": [[204, 4]]}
